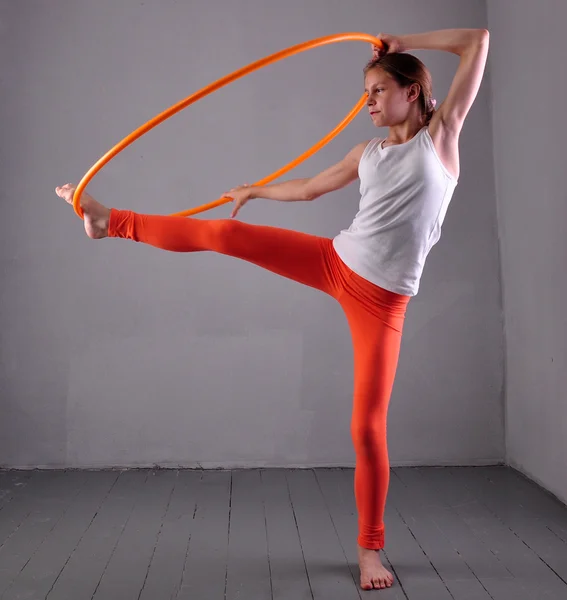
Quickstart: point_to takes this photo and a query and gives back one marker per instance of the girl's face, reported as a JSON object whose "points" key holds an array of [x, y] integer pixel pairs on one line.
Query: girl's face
{"points": [[388, 102]]}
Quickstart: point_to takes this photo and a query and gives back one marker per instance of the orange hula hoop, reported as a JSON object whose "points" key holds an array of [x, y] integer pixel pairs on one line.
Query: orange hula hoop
{"points": [[213, 87]]}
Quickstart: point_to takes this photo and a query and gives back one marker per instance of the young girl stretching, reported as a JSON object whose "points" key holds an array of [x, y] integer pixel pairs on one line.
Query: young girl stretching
{"points": [[372, 268]]}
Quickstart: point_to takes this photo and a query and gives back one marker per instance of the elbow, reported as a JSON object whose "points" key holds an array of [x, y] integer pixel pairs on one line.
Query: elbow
{"points": [[482, 36], [308, 194], [477, 38]]}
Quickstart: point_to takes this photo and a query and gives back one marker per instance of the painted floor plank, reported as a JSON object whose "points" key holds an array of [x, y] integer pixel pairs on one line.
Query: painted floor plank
{"points": [[166, 568], [44, 515], [11, 483], [412, 567], [248, 567], [329, 575], [539, 502], [447, 562], [534, 575], [42, 570], [205, 567], [485, 528], [15, 512], [287, 564], [529, 523], [128, 567], [430, 486], [81, 574], [434, 499]]}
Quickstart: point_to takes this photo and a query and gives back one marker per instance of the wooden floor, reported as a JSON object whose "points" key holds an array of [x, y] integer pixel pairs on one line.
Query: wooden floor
{"points": [[461, 533]]}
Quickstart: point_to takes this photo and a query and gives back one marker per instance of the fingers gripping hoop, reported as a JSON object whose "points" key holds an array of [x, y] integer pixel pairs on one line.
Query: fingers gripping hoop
{"points": [[213, 87]]}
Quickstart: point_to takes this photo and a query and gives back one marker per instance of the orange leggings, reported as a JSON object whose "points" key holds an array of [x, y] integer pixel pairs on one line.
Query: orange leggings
{"points": [[375, 317]]}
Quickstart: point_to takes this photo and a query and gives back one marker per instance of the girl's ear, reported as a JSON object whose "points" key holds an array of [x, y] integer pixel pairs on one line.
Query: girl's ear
{"points": [[414, 91]]}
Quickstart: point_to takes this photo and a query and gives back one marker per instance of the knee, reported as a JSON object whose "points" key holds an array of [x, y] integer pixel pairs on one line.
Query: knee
{"points": [[226, 227], [226, 235], [368, 437]]}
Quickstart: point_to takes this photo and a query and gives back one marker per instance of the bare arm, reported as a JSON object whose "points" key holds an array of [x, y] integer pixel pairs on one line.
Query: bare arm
{"points": [[310, 188], [472, 47], [456, 41], [306, 189]]}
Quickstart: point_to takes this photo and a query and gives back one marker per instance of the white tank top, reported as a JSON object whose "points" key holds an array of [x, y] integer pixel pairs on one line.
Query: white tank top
{"points": [[405, 192]]}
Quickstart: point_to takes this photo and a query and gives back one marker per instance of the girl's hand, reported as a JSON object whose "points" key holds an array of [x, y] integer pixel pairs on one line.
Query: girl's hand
{"points": [[240, 196], [391, 44]]}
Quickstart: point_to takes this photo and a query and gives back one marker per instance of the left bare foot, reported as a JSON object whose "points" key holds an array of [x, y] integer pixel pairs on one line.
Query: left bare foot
{"points": [[95, 215], [373, 575]]}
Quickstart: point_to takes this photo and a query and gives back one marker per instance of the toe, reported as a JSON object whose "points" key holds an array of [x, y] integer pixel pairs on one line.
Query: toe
{"points": [[365, 582], [64, 192]]}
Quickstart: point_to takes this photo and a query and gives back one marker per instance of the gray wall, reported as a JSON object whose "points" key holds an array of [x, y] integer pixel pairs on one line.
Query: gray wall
{"points": [[118, 354], [529, 90]]}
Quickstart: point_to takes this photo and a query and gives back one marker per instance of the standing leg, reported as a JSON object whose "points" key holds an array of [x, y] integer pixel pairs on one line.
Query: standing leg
{"points": [[376, 350], [375, 318]]}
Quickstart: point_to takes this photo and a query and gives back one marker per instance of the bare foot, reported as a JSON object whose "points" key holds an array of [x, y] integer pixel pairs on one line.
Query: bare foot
{"points": [[373, 575], [96, 216]]}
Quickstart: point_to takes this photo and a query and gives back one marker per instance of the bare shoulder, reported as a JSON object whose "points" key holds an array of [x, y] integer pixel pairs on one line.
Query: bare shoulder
{"points": [[357, 152], [448, 120], [446, 142]]}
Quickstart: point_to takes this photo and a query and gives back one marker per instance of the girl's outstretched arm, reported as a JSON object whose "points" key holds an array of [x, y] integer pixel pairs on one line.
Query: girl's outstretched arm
{"points": [[335, 177]]}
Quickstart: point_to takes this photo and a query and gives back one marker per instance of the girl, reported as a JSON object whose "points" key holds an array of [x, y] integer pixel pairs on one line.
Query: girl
{"points": [[372, 268]]}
